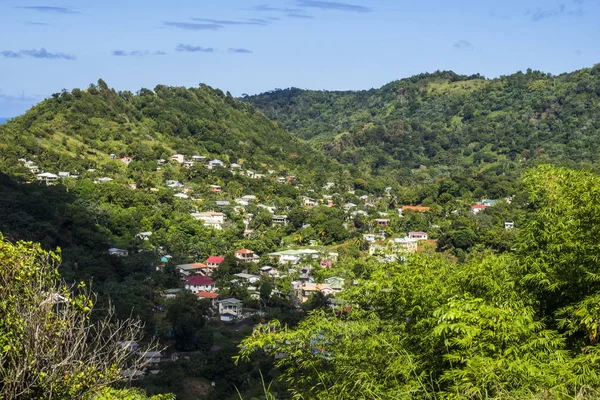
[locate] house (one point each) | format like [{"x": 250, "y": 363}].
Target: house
[
  {"x": 266, "y": 269},
  {"x": 488, "y": 202},
  {"x": 47, "y": 177},
  {"x": 349, "y": 206},
  {"x": 418, "y": 235},
  {"x": 294, "y": 256},
  {"x": 178, "y": 158},
  {"x": 326, "y": 264},
  {"x": 245, "y": 255},
  {"x": 215, "y": 188},
  {"x": 248, "y": 277},
  {"x": 161, "y": 161},
  {"x": 280, "y": 219},
  {"x": 118, "y": 252},
  {"x": 215, "y": 164},
  {"x": 33, "y": 168},
  {"x": 198, "y": 283},
  {"x": 509, "y": 225},
  {"x": 214, "y": 262},
  {"x": 248, "y": 233},
  {"x": 376, "y": 248},
  {"x": 188, "y": 164},
  {"x": 336, "y": 283},
  {"x": 373, "y": 237},
  {"x": 249, "y": 197},
  {"x": 230, "y": 309},
  {"x": 125, "y": 160},
  {"x": 143, "y": 235},
  {"x": 212, "y": 219},
  {"x": 309, "y": 202},
  {"x": 329, "y": 185},
  {"x": 152, "y": 358},
  {"x": 406, "y": 244},
  {"x": 207, "y": 296},
  {"x": 103, "y": 179},
  {"x": 281, "y": 179},
  {"x": 171, "y": 293},
  {"x": 477, "y": 208},
  {"x": 64, "y": 174},
  {"x": 235, "y": 168},
  {"x": 382, "y": 222},
  {"x": 181, "y": 196},
  {"x": 222, "y": 203},
  {"x": 270, "y": 209},
  {"x": 414, "y": 209},
  {"x": 173, "y": 184},
  {"x": 197, "y": 158},
  {"x": 326, "y": 289},
  {"x": 192, "y": 269}
]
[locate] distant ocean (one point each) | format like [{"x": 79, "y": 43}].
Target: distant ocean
[{"x": 3, "y": 120}]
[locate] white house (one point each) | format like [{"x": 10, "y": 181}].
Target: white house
[
  {"x": 406, "y": 244},
  {"x": 47, "y": 177},
  {"x": 294, "y": 256},
  {"x": 118, "y": 252},
  {"x": 213, "y": 219},
  {"x": 143, "y": 235},
  {"x": 197, "y": 158},
  {"x": 245, "y": 255},
  {"x": 280, "y": 219},
  {"x": 178, "y": 158},
  {"x": 230, "y": 309},
  {"x": 248, "y": 277},
  {"x": 181, "y": 196},
  {"x": 509, "y": 225},
  {"x": 418, "y": 235},
  {"x": 215, "y": 164},
  {"x": 198, "y": 283}
]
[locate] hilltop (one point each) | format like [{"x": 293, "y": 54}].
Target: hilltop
[
  {"x": 81, "y": 129},
  {"x": 447, "y": 119}
]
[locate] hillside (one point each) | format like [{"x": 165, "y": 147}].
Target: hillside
[
  {"x": 449, "y": 119},
  {"x": 80, "y": 129}
]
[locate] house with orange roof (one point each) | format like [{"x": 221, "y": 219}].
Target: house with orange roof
[
  {"x": 245, "y": 255},
  {"x": 414, "y": 209}
]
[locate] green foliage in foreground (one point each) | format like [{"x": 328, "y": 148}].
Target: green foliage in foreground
[
  {"x": 50, "y": 347},
  {"x": 518, "y": 325}
]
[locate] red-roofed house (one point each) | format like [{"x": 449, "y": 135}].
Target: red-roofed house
[
  {"x": 214, "y": 262},
  {"x": 477, "y": 208},
  {"x": 245, "y": 255},
  {"x": 208, "y": 296},
  {"x": 196, "y": 284}
]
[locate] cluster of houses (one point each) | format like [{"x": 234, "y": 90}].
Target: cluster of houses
[
  {"x": 299, "y": 263},
  {"x": 45, "y": 177}
]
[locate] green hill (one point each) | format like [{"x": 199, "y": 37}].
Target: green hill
[
  {"x": 79, "y": 129},
  {"x": 449, "y": 119}
]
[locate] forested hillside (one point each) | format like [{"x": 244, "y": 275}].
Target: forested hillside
[
  {"x": 446, "y": 119},
  {"x": 79, "y": 129}
]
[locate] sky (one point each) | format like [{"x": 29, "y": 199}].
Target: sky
[{"x": 249, "y": 47}]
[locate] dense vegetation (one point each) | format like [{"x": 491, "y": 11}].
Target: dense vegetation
[
  {"x": 483, "y": 311},
  {"x": 450, "y": 120},
  {"x": 521, "y": 325}
]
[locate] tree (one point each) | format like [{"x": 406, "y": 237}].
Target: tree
[
  {"x": 50, "y": 344},
  {"x": 187, "y": 316}
]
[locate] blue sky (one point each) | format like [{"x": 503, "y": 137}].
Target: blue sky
[{"x": 255, "y": 46}]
